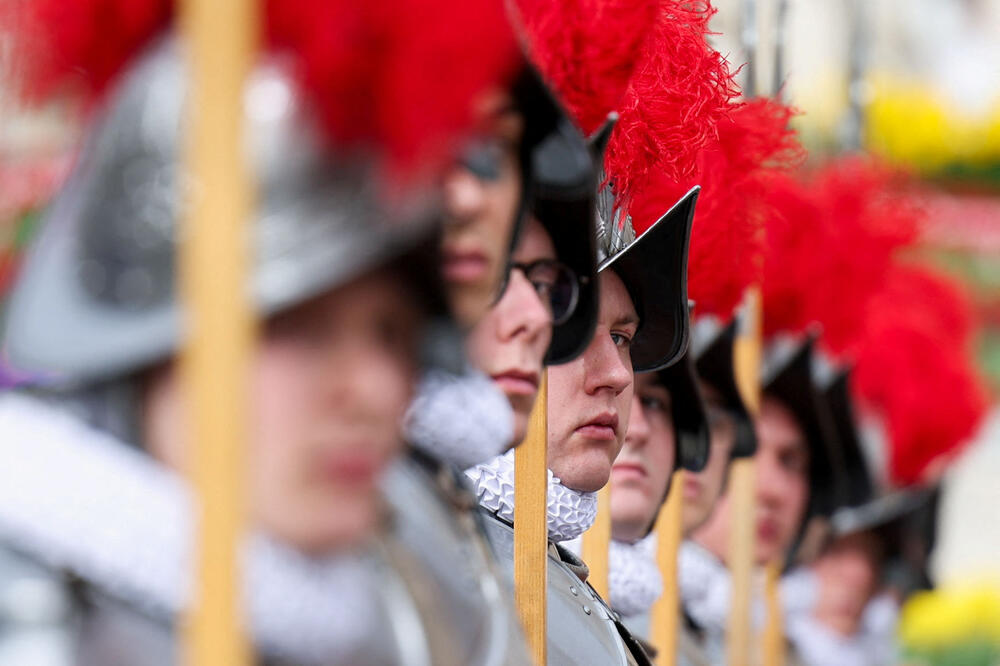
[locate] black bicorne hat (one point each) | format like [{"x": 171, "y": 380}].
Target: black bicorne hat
[
  {"x": 788, "y": 378},
  {"x": 560, "y": 173},
  {"x": 834, "y": 388},
  {"x": 864, "y": 507},
  {"x": 687, "y": 410},
  {"x": 713, "y": 349}
]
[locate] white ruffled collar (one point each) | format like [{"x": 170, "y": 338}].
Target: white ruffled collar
[
  {"x": 872, "y": 645},
  {"x": 463, "y": 419},
  {"x": 634, "y": 580},
  {"x": 76, "y": 499},
  {"x": 706, "y": 588},
  {"x": 570, "y": 512}
]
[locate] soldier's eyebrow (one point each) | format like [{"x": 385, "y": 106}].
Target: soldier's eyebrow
[{"x": 628, "y": 319}]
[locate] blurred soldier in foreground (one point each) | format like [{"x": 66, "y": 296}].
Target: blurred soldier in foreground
[
  {"x": 345, "y": 281},
  {"x": 539, "y": 306}
]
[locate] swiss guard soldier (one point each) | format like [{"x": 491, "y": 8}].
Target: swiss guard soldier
[
  {"x": 797, "y": 472},
  {"x": 519, "y": 264},
  {"x": 589, "y": 402},
  {"x": 575, "y": 474},
  {"x": 847, "y": 618},
  {"x": 699, "y": 394},
  {"x": 875, "y": 554},
  {"x": 668, "y": 430},
  {"x": 93, "y": 512},
  {"x": 695, "y": 426},
  {"x": 532, "y": 178}
]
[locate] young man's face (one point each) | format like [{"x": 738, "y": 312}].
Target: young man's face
[
  {"x": 641, "y": 473},
  {"x": 330, "y": 383},
  {"x": 782, "y": 481},
  {"x": 481, "y": 197},
  {"x": 848, "y": 575},
  {"x": 589, "y": 398},
  {"x": 702, "y": 489},
  {"x": 510, "y": 342}
]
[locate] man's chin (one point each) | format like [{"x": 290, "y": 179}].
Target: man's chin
[
  {"x": 586, "y": 481},
  {"x": 764, "y": 556}
]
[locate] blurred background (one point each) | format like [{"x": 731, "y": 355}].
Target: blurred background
[{"x": 916, "y": 83}]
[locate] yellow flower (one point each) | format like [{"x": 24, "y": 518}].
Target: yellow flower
[
  {"x": 951, "y": 616},
  {"x": 910, "y": 123}
]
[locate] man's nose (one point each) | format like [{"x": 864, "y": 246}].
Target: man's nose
[
  {"x": 522, "y": 310},
  {"x": 464, "y": 195},
  {"x": 638, "y": 425},
  {"x": 605, "y": 367}
]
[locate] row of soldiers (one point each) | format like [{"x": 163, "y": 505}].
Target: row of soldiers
[{"x": 461, "y": 206}]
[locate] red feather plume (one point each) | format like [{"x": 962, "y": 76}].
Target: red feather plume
[
  {"x": 682, "y": 89},
  {"x": 397, "y": 73},
  {"x": 78, "y": 47},
  {"x": 831, "y": 258},
  {"x": 395, "y": 77},
  {"x": 829, "y": 244},
  {"x": 914, "y": 371},
  {"x": 753, "y": 145},
  {"x": 587, "y": 50}
]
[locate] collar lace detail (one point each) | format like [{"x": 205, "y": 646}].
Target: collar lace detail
[
  {"x": 634, "y": 580},
  {"x": 570, "y": 512}
]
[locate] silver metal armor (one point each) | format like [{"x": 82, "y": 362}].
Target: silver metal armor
[
  {"x": 582, "y": 629},
  {"x": 435, "y": 520}
]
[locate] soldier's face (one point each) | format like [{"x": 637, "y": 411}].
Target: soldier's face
[
  {"x": 782, "y": 482},
  {"x": 641, "y": 473},
  {"x": 590, "y": 397},
  {"x": 702, "y": 489},
  {"x": 330, "y": 383},
  {"x": 782, "y": 472},
  {"x": 510, "y": 342},
  {"x": 481, "y": 196},
  {"x": 848, "y": 575}
]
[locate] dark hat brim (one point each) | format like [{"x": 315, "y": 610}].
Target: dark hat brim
[
  {"x": 560, "y": 179},
  {"x": 687, "y": 410},
  {"x": 860, "y": 487},
  {"x": 654, "y": 271},
  {"x": 883, "y": 512},
  {"x": 715, "y": 363},
  {"x": 790, "y": 381}
]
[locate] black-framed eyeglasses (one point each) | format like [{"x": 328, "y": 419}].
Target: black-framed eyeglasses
[
  {"x": 484, "y": 158},
  {"x": 555, "y": 283}
]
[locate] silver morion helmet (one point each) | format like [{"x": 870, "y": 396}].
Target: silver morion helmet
[
  {"x": 653, "y": 268},
  {"x": 95, "y": 298}
]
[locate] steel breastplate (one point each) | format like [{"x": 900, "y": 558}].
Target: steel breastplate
[
  {"x": 459, "y": 590},
  {"x": 581, "y": 628}
]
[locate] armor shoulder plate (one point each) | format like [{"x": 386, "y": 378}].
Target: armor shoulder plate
[
  {"x": 581, "y": 629},
  {"x": 435, "y": 523}
]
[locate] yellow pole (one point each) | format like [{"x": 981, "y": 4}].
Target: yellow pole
[
  {"x": 531, "y": 533},
  {"x": 774, "y": 633},
  {"x": 742, "y": 490},
  {"x": 220, "y": 36},
  {"x": 596, "y": 543},
  {"x": 665, "y": 616}
]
